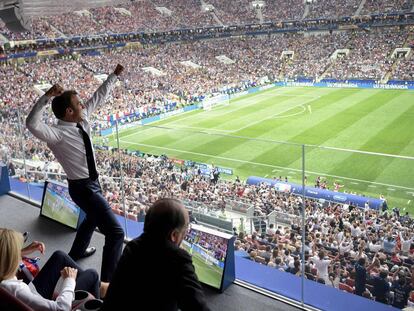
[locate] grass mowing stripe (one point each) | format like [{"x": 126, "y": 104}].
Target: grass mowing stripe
[
  {"x": 246, "y": 149},
  {"x": 230, "y": 147},
  {"x": 285, "y": 155},
  {"x": 326, "y": 105},
  {"x": 234, "y": 110},
  {"x": 372, "y": 166},
  {"x": 355, "y": 135},
  {"x": 269, "y": 167},
  {"x": 168, "y": 137},
  {"x": 252, "y": 112},
  {"x": 330, "y": 121},
  {"x": 329, "y": 127}
]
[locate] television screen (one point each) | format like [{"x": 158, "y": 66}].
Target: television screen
[
  {"x": 58, "y": 205},
  {"x": 208, "y": 248}
]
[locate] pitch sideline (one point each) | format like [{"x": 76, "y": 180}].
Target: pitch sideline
[{"x": 264, "y": 164}]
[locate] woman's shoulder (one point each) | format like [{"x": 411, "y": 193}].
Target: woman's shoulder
[
  {"x": 14, "y": 286},
  {"x": 12, "y": 282}
]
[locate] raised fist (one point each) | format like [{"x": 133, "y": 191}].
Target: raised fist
[
  {"x": 118, "y": 70},
  {"x": 55, "y": 90}
]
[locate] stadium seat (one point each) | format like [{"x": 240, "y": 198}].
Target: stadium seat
[{"x": 11, "y": 303}]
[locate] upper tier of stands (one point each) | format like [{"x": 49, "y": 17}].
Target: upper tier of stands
[{"x": 160, "y": 15}]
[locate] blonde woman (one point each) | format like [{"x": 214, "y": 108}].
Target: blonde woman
[{"x": 38, "y": 294}]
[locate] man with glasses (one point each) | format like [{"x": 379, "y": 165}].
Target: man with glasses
[{"x": 154, "y": 265}]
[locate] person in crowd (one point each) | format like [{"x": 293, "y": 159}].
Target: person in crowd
[
  {"x": 70, "y": 142},
  {"x": 361, "y": 274},
  {"x": 321, "y": 265},
  {"x": 389, "y": 245},
  {"x": 157, "y": 265},
  {"x": 401, "y": 289},
  {"x": 381, "y": 286},
  {"x": 40, "y": 292}
]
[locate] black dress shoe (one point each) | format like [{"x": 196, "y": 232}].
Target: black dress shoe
[{"x": 89, "y": 252}]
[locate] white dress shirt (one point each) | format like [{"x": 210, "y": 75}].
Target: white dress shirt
[
  {"x": 321, "y": 266},
  {"x": 64, "y": 138},
  {"x": 405, "y": 244},
  {"x": 29, "y": 295}
]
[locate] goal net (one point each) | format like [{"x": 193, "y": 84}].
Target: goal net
[{"x": 211, "y": 102}]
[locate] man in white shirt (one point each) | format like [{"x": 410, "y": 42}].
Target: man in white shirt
[
  {"x": 355, "y": 230},
  {"x": 271, "y": 230},
  {"x": 374, "y": 246},
  {"x": 70, "y": 142},
  {"x": 405, "y": 243},
  {"x": 321, "y": 265}
]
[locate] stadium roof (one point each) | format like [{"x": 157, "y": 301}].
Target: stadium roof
[{"x": 54, "y": 7}]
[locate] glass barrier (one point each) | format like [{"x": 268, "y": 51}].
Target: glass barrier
[
  {"x": 113, "y": 164},
  {"x": 360, "y": 226},
  {"x": 234, "y": 184},
  {"x": 356, "y": 205},
  {"x": 14, "y": 152}
]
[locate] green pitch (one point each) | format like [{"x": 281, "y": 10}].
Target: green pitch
[
  {"x": 379, "y": 122},
  {"x": 55, "y": 208},
  {"x": 208, "y": 274}
]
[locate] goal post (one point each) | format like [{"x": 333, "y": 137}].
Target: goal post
[{"x": 219, "y": 100}]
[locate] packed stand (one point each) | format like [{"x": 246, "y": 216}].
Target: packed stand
[
  {"x": 185, "y": 14},
  {"x": 405, "y": 69},
  {"x": 369, "y": 56},
  {"x": 386, "y": 6},
  {"x": 308, "y": 50},
  {"x": 40, "y": 29},
  {"x": 333, "y": 8},
  {"x": 234, "y": 12},
  {"x": 286, "y": 10},
  {"x": 149, "y": 16},
  {"x": 255, "y": 60},
  {"x": 361, "y": 251},
  {"x": 405, "y": 66}
]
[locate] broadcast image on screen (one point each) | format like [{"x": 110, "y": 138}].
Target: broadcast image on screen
[
  {"x": 58, "y": 205},
  {"x": 209, "y": 252}
]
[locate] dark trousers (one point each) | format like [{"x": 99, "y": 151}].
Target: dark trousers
[
  {"x": 45, "y": 281},
  {"x": 87, "y": 194}
]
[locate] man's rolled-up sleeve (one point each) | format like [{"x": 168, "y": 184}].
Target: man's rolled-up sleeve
[{"x": 39, "y": 129}]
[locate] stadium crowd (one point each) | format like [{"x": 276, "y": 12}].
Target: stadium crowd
[
  {"x": 162, "y": 15},
  {"x": 173, "y": 84},
  {"x": 381, "y": 7},
  {"x": 363, "y": 251},
  {"x": 329, "y": 9},
  {"x": 370, "y": 55},
  {"x": 168, "y": 83}
]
